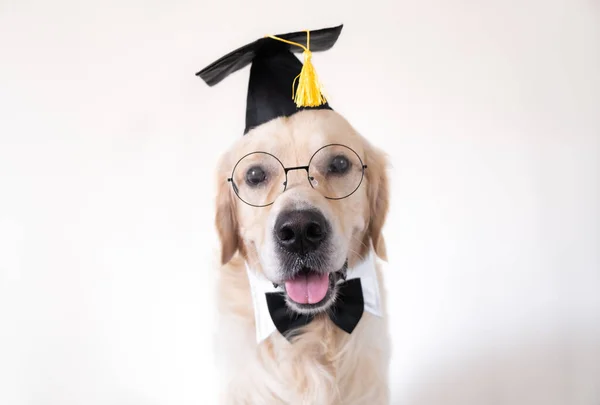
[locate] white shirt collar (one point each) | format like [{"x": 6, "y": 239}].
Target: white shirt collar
[{"x": 259, "y": 285}]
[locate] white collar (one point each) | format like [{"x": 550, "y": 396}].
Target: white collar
[{"x": 259, "y": 285}]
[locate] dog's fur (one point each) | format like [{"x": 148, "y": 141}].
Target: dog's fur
[{"x": 323, "y": 365}]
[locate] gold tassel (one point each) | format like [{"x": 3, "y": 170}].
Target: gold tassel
[{"x": 310, "y": 91}]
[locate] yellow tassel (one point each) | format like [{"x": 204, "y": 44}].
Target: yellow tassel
[{"x": 310, "y": 91}]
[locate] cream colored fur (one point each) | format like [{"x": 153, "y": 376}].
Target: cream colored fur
[{"x": 323, "y": 365}]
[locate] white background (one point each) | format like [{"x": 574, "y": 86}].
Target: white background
[{"x": 490, "y": 112}]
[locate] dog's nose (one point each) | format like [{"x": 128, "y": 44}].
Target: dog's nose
[{"x": 301, "y": 231}]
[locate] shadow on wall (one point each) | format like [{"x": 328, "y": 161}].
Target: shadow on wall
[{"x": 563, "y": 371}]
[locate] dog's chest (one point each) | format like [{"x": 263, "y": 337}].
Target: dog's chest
[{"x": 322, "y": 366}]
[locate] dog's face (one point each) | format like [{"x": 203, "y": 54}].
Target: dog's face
[{"x": 299, "y": 210}]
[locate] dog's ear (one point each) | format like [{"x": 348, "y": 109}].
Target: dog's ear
[
  {"x": 378, "y": 194},
  {"x": 225, "y": 220}
]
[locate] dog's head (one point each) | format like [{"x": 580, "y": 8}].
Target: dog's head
[{"x": 301, "y": 198}]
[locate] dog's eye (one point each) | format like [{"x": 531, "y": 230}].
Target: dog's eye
[
  {"x": 339, "y": 165},
  {"x": 255, "y": 175}
]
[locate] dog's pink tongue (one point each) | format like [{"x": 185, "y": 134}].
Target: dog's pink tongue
[{"x": 308, "y": 289}]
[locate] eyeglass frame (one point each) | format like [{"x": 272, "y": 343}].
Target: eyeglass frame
[{"x": 287, "y": 169}]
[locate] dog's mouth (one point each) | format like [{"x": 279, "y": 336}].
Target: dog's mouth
[{"x": 312, "y": 290}]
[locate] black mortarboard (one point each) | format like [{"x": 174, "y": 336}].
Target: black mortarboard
[{"x": 276, "y": 74}]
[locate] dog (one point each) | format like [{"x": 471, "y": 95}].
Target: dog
[{"x": 293, "y": 230}]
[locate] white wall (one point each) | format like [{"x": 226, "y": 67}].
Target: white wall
[{"x": 108, "y": 142}]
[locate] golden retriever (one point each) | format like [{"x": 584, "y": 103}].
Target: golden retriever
[{"x": 320, "y": 364}]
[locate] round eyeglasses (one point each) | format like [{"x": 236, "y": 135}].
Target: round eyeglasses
[{"x": 335, "y": 170}]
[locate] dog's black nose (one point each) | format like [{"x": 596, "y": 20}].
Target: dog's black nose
[{"x": 301, "y": 231}]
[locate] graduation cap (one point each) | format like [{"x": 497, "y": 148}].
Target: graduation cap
[{"x": 280, "y": 85}]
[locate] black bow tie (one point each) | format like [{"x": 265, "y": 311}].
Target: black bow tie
[{"x": 345, "y": 312}]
